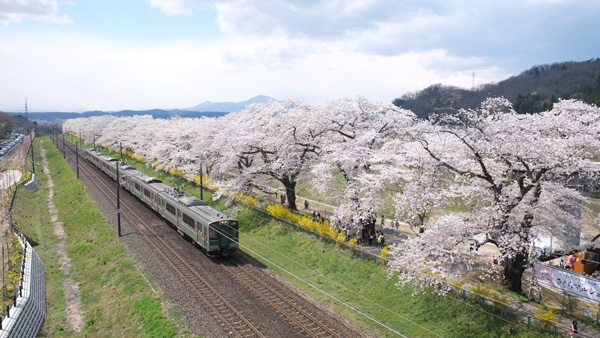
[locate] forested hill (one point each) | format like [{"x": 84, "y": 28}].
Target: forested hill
[{"x": 534, "y": 90}]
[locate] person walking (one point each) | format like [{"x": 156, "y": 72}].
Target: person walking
[
  {"x": 574, "y": 330},
  {"x": 359, "y": 236},
  {"x": 381, "y": 240},
  {"x": 305, "y": 204}
]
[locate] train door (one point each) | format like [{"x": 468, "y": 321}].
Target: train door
[{"x": 202, "y": 234}]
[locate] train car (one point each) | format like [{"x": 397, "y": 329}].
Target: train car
[{"x": 212, "y": 230}]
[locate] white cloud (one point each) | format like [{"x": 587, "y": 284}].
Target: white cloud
[
  {"x": 314, "y": 50},
  {"x": 107, "y": 75},
  {"x": 13, "y": 11},
  {"x": 171, "y": 7},
  {"x": 178, "y": 7}
]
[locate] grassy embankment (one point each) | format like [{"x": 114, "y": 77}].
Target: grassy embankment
[
  {"x": 117, "y": 299},
  {"x": 358, "y": 286}
]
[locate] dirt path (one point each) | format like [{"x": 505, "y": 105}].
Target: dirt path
[{"x": 71, "y": 289}]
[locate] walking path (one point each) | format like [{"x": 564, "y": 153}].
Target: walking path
[{"x": 73, "y": 312}]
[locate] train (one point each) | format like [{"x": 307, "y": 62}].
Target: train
[{"x": 215, "y": 232}]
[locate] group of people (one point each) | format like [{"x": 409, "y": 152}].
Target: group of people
[
  {"x": 367, "y": 236},
  {"x": 317, "y": 216}
]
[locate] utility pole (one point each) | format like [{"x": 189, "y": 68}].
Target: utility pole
[
  {"x": 32, "y": 157},
  {"x": 64, "y": 149},
  {"x": 77, "y": 157},
  {"x": 118, "y": 204},
  {"x": 201, "y": 197},
  {"x": 121, "y": 150}
]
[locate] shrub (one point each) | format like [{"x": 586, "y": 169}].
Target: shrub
[
  {"x": 250, "y": 200},
  {"x": 176, "y": 172},
  {"x": 384, "y": 251},
  {"x": 458, "y": 283},
  {"x": 547, "y": 316},
  {"x": 481, "y": 289},
  {"x": 499, "y": 298}
]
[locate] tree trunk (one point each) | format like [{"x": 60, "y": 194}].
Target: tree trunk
[
  {"x": 290, "y": 192},
  {"x": 513, "y": 271}
]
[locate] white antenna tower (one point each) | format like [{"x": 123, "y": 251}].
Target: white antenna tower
[{"x": 473, "y": 83}]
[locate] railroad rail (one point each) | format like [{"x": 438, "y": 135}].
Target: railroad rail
[
  {"x": 238, "y": 325},
  {"x": 302, "y": 319}
]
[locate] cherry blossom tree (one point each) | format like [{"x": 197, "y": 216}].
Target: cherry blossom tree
[
  {"x": 359, "y": 137},
  {"x": 510, "y": 170},
  {"x": 269, "y": 142}
]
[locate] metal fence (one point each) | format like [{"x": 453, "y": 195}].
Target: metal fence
[{"x": 28, "y": 312}]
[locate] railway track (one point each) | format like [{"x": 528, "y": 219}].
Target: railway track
[
  {"x": 237, "y": 324},
  {"x": 307, "y": 325},
  {"x": 288, "y": 309}
]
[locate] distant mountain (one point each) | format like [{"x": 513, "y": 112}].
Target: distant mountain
[
  {"x": 156, "y": 113},
  {"x": 229, "y": 107},
  {"x": 208, "y": 109},
  {"x": 534, "y": 90}
]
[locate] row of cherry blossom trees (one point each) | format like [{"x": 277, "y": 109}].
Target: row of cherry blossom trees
[{"x": 508, "y": 171}]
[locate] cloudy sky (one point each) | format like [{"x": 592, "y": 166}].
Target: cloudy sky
[{"x": 78, "y": 55}]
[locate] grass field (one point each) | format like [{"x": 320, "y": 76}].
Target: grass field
[{"x": 117, "y": 299}]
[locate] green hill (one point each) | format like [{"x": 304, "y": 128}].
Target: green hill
[{"x": 533, "y": 90}]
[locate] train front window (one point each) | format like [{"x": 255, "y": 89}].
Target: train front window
[{"x": 233, "y": 228}]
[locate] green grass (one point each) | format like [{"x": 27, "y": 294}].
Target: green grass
[
  {"x": 117, "y": 301},
  {"x": 364, "y": 287}
]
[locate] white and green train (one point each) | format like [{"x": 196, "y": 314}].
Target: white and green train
[{"x": 213, "y": 231}]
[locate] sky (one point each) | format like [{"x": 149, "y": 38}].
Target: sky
[{"x": 81, "y": 55}]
